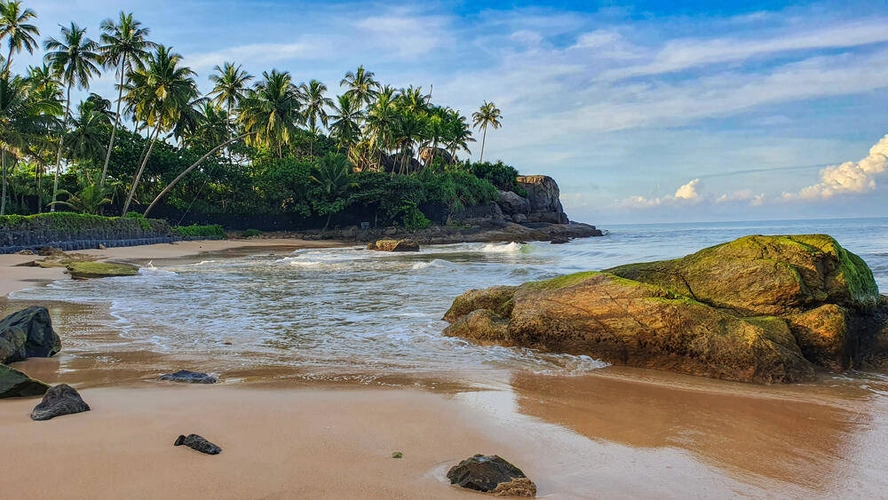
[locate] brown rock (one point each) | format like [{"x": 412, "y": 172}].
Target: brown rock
[{"x": 394, "y": 246}]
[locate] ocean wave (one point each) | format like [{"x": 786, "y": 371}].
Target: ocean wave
[
  {"x": 433, "y": 264},
  {"x": 512, "y": 247}
]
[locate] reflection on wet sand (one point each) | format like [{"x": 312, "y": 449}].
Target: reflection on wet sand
[{"x": 756, "y": 438}]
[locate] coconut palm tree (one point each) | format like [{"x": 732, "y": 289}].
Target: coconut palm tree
[
  {"x": 158, "y": 94},
  {"x": 361, "y": 85},
  {"x": 43, "y": 85},
  {"x": 75, "y": 59},
  {"x": 22, "y": 115},
  {"x": 457, "y": 133},
  {"x": 230, "y": 88},
  {"x": 487, "y": 115},
  {"x": 316, "y": 104},
  {"x": 87, "y": 138},
  {"x": 407, "y": 129},
  {"x": 379, "y": 121},
  {"x": 346, "y": 117},
  {"x": 125, "y": 47},
  {"x": 271, "y": 111},
  {"x": 332, "y": 174},
  {"x": 16, "y": 30}
]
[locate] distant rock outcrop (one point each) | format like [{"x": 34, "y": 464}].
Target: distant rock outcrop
[
  {"x": 759, "y": 309},
  {"x": 545, "y": 199}
]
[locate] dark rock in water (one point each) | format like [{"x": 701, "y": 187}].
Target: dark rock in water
[
  {"x": 59, "y": 400},
  {"x": 198, "y": 443},
  {"x": 559, "y": 240},
  {"x": 394, "y": 246},
  {"x": 28, "y": 334},
  {"x": 189, "y": 377},
  {"x": 491, "y": 474},
  {"x": 15, "y": 384}
]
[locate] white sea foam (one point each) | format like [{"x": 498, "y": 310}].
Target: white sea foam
[
  {"x": 512, "y": 247},
  {"x": 433, "y": 264}
]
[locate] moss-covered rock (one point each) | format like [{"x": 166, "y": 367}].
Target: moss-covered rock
[
  {"x": 759, "y": 309},
  {"x": 85, "y": 270},
  {"x": 405, "y": 245},
  {"x": 15, "y": 384}
]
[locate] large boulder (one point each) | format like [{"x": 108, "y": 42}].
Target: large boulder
[
  {"x": 544, "y": 198},
  {"x": 759, "y": 309},
  {"x": 28, "y": 334},
  {"x": 513, "y": 204},
  {"x": 15, "y": 384},
  {"x": 87, "y": 270}
]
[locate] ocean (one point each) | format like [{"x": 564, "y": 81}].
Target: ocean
[{"x": 352, "y": 312}]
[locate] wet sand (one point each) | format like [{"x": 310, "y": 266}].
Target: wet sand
[{"x": 615, "y": 433}]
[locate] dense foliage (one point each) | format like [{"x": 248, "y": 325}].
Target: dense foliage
[{"x": 252, "y": 147}]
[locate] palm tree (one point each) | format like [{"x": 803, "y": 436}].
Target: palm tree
[
  {"x": 379, "y": 120},
  {"x": 316, "y": 105},
  {"x": 271, "y": 111},
  {"x": 361, "y": 85},
  {"x": 22, "y": 115},
  {"x": 43, "y": 85},
  {"x": 125, "y": 47},
  {"x": 408, "y": 128},
  {"x": 157, "y": 94},
  {"x": 74, "y": 59},
  {"x": 230, "y": 88},
  {"x": 457, "y": 133},
  {"x": 87, "y": 139},
  {"x": 346, "y": 117},
  {"x": 487, "y": 115},
  {"x": 332, "y": 174},
  {"x": 15, "y": 29}
]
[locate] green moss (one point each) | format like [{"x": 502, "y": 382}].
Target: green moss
[
  {"x": 83, "y": 270},
  {"x": 562, "y": 281}
]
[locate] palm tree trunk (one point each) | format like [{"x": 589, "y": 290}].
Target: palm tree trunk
[
  {"x": 189, "y": 169},
  {"x": 483, "y": 140},
  {"x": 132, "y": 192},
  {"x": 3, "y": 198},
  {"x": 9, "y": 60},
  {"x": 116, "y": 124},
  {"x": 55, "y": 184},
  {"x": 38, "y": 174}
]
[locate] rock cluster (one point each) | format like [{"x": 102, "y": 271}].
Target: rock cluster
[{"x": 759, "y": 309}]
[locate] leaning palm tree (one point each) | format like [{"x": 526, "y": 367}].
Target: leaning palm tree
[
  {"x": 157, "y": 95},
  {"x": 361, "y": 85},
  {"x": 230, "y": 87},
  {"x": 16, "y": 30},
  {"x": 271, "y": 111},
  {"x": 487, "y": 115},
  {"x": 74, "y": 58},
  {"x": 125, "y": 47}
]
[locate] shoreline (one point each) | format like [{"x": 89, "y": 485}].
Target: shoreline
[{"x": 586, "y": 436}]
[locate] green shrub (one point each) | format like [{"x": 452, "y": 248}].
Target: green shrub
[
  {"x": 249, "y": 233},
  {"x": 209, "y": 232}
]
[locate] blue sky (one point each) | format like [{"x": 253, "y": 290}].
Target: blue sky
[{"x": 643, "y": 111}]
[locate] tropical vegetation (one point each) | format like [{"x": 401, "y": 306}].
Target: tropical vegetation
[{"x": 253, "y": 148}]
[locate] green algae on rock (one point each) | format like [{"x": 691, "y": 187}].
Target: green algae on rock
[
  {"x": 760, "y": 309},
  {"x": 85, "y": 270}
]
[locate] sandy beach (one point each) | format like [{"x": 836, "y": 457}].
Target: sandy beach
[{"x": 615, "y": 433}]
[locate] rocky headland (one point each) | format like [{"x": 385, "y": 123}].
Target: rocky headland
[{"x": 759, "y": 309}]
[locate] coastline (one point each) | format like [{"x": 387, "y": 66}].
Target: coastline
[{"x": 576, "y": 437}]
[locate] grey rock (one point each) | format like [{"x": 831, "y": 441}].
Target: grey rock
[
  {"x": 512, "y": 203},
  {"x": 59, "y": 400},
  {"x": 189, "y": 377},
  {"x": 198, "y": 443},
  {"x": 28, "y": 334}
]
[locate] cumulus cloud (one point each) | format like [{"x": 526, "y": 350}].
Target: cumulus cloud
[
  {"x": 684, "y": 194},
  {"x": 849, "y": 177}
]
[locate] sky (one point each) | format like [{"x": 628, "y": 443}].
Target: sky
[{"x": 648, "y": 111}]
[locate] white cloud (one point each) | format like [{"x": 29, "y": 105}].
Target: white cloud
[
  {"x": 688, "y": 191},
  {"x": 685, "y": 194},
  {"x": 848, "y": 178}
]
